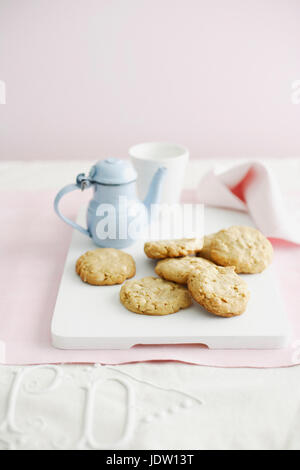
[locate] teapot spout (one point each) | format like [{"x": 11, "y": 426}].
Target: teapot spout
[{"x": 154, "y": 192}]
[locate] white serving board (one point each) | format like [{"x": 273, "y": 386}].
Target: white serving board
[{"x": 92, "y": 317}]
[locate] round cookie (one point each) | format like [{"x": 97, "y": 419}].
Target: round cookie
[
  {"x": 161, "y": 249},
  {"x": 245, "y": 248},
  {"x": 105, "y": 267},
  {"x": 219, "y": 290},
  {"x": 179, "y": 269},
  {"x": 154, "y": 296}
]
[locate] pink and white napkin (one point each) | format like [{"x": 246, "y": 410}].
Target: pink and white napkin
[{"x": 251, "y": 187}]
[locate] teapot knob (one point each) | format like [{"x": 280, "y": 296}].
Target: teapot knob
[{"x": 82, "y": 181}]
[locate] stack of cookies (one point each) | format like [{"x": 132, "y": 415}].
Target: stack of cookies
[
  {"x": 204, "y": 270},
  {"x": 208, "y": 271}
]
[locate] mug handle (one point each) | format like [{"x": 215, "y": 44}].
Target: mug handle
[{"x": 63, "y": 192}]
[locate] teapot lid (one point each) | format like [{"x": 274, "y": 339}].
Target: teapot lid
[{"x": 113, "y": 171}]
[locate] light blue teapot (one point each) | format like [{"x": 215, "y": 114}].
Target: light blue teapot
[{"x": 115, "y": 216}]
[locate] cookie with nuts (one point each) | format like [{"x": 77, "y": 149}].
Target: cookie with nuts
[
  {"x": 154, "y": 296},
  {"x": 161, "y": 249},
  {"x": 105, "y": 267},
  {"x": 179, "y": 269},
  {"x": 244, "y": 248},
  {"x": 219, "y": 290}
]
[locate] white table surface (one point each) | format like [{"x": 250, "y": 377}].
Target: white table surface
[{"x": 174, "y": 406}]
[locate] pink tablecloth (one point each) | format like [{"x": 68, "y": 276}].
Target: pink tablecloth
[{"x": 33, "y": 247}]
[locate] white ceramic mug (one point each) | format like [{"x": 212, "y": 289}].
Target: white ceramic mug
[{"x": 147, "y": 157}]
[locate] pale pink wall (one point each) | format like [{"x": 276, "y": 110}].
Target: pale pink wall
[{"x": 86, "y": 78}]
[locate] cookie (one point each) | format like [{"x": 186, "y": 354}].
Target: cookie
[
  {"x": 205, "y": 251},
  {"x": 154, "y": 296},
  {"x": 105, "y": 266},
  {"x": 179, "y": 269},
  {"x": 219, "y": 290},
  {"x": 245, "y": 248},
  {"x": 161, "y": 249}
]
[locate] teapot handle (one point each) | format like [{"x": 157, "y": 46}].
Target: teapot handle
[{"x": 63, "y": 192}]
